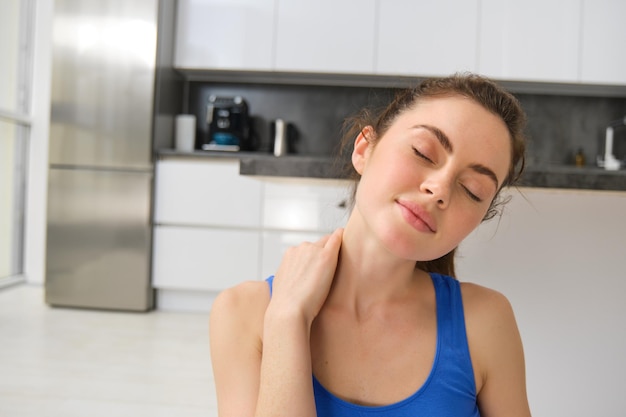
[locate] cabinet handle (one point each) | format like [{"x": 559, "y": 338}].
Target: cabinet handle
[{"x": 342, "y": 204}]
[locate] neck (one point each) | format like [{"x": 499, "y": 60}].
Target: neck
[{"x": 369, "y": 276}]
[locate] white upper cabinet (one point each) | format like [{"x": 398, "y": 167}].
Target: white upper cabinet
[
  {"x": 530, "y": 40},
  {"x": 333, "y": 36},
  {"x": 578, "y": 41},
  {"x": 604, "y": 42},
  {"x": 427, "y": 37},
  {"x": 225, "y": 34}
]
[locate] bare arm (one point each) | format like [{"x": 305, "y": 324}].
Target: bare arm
[
  {"x": 255, "y": 377},
  {"x": 235, "y": 336},
  {"x": 286, "y": 387},
  {"x": 263, "y": 368},
  {"x": 497, "y": 353}
]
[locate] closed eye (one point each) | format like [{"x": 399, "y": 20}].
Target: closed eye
[
  {"x": 471, "y": 194},
  {"x": 421, "y": 155}
]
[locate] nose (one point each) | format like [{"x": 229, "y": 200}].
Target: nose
[{"x": 437, "y": 187}]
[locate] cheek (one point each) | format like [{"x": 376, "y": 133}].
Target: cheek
[
  {"x": 466, "y": 220},
  {"x": 365, "y": 195},
  {"x": 389, "y": 171}
]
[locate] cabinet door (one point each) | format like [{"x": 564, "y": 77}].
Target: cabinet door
[
  {"x": 225, "y": 34},
  {"x": 425, "y": 37},
  {"x": 274, "y": 245},
  {"x": 305, "y": 205},
  {"x": 332, "y": 36},
  {"x": 206, "y": 192},
  {"x": 604, "y": 42},
  {"x": 533, "y": 40},
  {"x": 186, "y": 258}
]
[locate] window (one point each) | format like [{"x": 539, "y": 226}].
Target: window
[{"x": 16, "y": 18}]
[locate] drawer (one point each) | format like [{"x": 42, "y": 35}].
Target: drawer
[
  {"x": 306, "y": 205},
  {"x": 206, "y": 192},
  {"x": 203, "y": 258},
  {"x": 274, "y": 245}
]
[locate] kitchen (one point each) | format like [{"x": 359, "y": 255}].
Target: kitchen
[{"x": 571, "y": 91}]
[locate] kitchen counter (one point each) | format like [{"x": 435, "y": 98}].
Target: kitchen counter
[
  {"x": 548, "y": 176},
  {"x": 564, "y": 176}
]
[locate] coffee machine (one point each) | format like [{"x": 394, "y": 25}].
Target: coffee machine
[{"x": 229, "y": 125}]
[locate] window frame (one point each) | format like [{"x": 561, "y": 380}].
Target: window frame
[{"x": 21, "y": 119}]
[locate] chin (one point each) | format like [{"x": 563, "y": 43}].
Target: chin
[{"x": 409, "y": 249}]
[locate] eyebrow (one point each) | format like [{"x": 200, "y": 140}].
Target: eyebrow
[
  {"x": 441, "y": 137},
  {"x": 447, "y": 145}
]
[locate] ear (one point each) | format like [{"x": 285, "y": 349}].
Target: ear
[{"x": 362, "y": 147}]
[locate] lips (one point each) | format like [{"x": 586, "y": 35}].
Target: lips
[{"x": 417, "y": 216}]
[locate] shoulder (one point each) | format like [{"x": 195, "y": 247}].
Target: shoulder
[
  {"x": 492, "y": 333},
  {"x": 488, "y": 314},
  {"x": 242, "y": 301},
  {"x": 238, "y": 311},
  {"x": 243, "y": 292},
  {"x": 484, "y": 303}
]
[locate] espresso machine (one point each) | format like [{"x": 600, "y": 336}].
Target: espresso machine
[{"x": 229, "y": 125}]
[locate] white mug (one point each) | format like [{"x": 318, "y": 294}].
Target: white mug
[{"x": 185, "y": 135}]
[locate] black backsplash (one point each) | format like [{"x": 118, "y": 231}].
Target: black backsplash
[
  {"x": 557, "y": 125},
  {"x": 560, "y": 125}
]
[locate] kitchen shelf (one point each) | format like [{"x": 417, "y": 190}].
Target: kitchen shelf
[{"x": 388, "y": 81}]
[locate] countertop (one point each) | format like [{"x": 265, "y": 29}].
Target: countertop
[{"x": 548, "y": 176}]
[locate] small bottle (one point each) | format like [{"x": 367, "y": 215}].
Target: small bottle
[{"x": 580, "y": 158}]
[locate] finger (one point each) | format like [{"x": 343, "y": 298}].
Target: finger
[
  {"x": 322, "y": 241},
  {"x": 334, "y": 239}
]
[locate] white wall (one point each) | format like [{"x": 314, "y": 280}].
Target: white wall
[{"x": 559, "y": 256}]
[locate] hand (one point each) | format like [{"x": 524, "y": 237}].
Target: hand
[{"x": 305, "y": 275}]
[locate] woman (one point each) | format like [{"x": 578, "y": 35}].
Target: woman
[{"x": 368, "y": 320}]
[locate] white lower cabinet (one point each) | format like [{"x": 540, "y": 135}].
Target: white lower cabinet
[
  {"x": 197, "y": 192},
  {"x": 204, "y": 259},
  {"x": 299, "y": 210},
  {"x": 215, "y": 228},
  {"x": 305, "y": 204}
]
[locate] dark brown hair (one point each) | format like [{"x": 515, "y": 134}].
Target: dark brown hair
[{"x": 484, "y": 92}]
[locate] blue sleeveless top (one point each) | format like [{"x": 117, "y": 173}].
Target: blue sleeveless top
[{"x": 449, "y": 390}]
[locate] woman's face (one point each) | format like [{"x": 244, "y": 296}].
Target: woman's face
[{"x": 429, "y": 180}]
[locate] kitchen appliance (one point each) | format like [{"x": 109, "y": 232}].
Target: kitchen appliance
[
  {"x": 114, "y": 99},
  {"x": 280, "y": 137},
  {"x": 283, "y": 137},
  {"x": 229, "y": 124}
]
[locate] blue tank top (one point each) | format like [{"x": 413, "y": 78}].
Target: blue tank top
[{"x": 449, "y": 390}]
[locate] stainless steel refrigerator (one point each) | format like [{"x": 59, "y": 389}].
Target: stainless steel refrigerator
[{"x": 114, "y": 97}]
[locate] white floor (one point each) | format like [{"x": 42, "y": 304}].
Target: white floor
[{"x": 69, "y": 362}]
